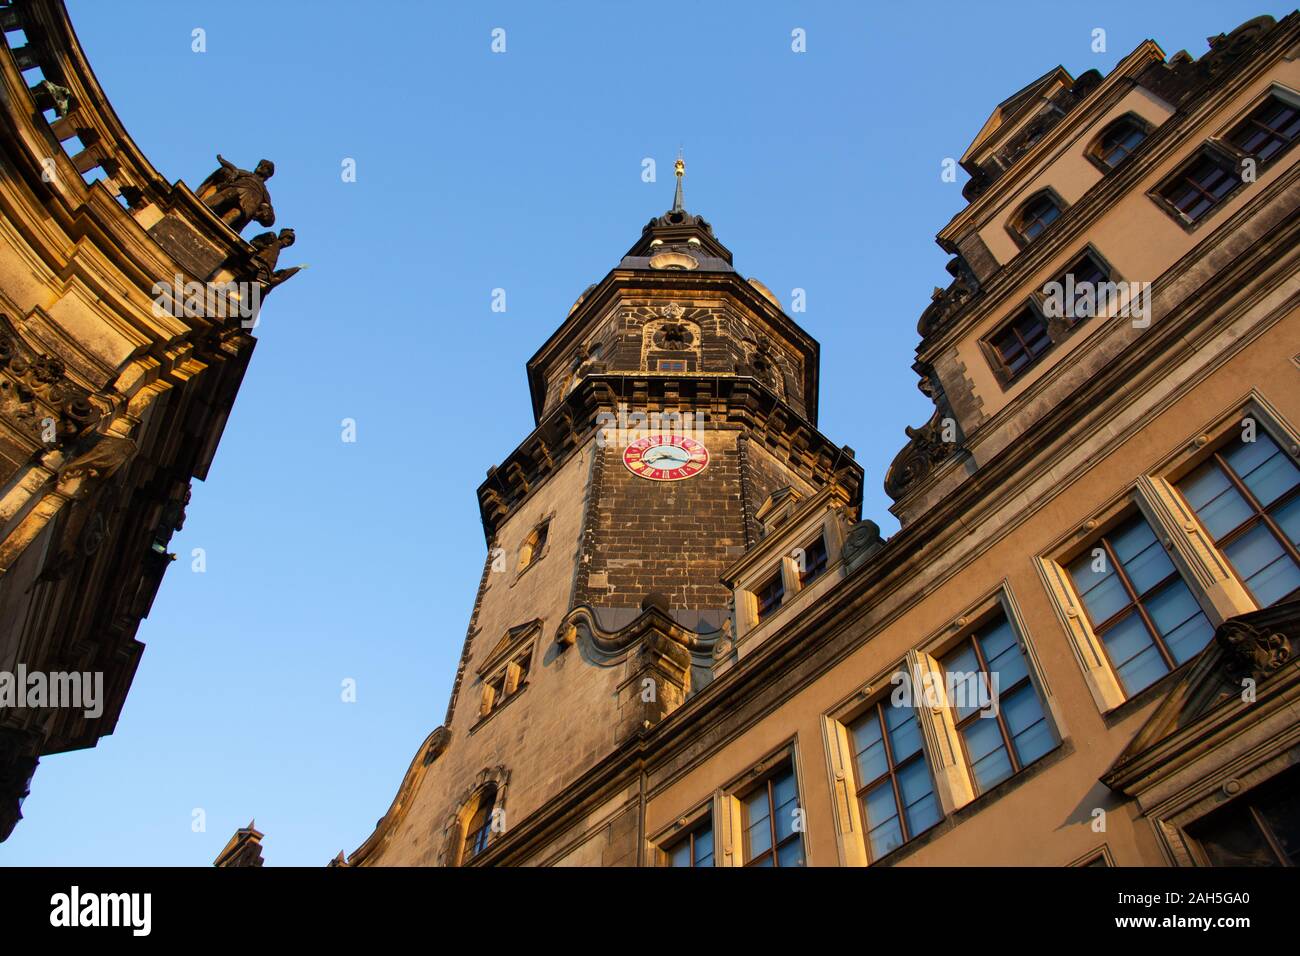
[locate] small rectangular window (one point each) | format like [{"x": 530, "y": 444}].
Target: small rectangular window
[
  {"x": 1269, "y": 131},
  {"x": 672, "y": 365},
  {"x": 1021, "y": 342},
  {"x": 814, "y": 561},
  {"x": 1083, "y": 281},
  {"x": 1199, "y": 186},
  {"x": 773, "y": 823},
  {"x": 770, "y": 595},
  {"x": 1247, "y": 497}
]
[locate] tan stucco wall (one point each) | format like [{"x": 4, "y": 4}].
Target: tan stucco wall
[
  {"x": 1046, "y": 819},
  {"x": 1137, "y": 238}
]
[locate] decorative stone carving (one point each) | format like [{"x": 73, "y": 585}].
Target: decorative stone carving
[
  {"x": 1250, "y": 651},
  {"x": 924, "y": 452},
  {"x": 51, "y": 96},
  {"x": 1226, "y": 48},
  {"x": 84, "y": 480},
  {"x": 725, "y": 642},
  {"x": 674, "y": 260},
  {"x": 35, "y": 394},
  {"x": 946, "y": 303},
  {"x": 674, "y": 337},
  {"x": 760, "y": 362},
  {"x": 239, "y": 196},
  {"x": 862, "y": 541},
  {"x": 436, "y": 744}
]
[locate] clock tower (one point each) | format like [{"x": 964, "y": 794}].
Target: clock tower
[{"x": 676, "y": 411}]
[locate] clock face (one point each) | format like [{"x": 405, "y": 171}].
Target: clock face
[{"x": 665, "y": 457}]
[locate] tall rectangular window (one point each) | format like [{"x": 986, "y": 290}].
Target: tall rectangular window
[
  {"x": 773, "y": 834},
  {"x": 1247, "y": 497},
  {"x": 1003, "y": 730},
  {"x": 1138, "y": 605},
  {"x": 478, "y": 829},
  {"x": 693, "y": 849},
  {"x": 894, "y": 783}
]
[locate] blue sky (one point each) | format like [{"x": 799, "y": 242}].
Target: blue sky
[{"x": 329, "y": 561}]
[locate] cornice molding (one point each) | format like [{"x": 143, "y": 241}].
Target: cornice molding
[{"x": 620, "y": 283}]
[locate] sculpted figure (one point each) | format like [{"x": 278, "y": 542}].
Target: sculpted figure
[
  {"x": 269, "y": 246},
  {"x": 239, "y": 196}
]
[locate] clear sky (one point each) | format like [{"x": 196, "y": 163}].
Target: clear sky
[{"x": 522, "y": 170}]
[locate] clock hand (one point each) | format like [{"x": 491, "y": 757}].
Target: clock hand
[{"x": 669, "y": 456}]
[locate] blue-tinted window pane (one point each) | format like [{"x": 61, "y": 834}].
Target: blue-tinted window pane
[
  {"x": 704, "y": 847},
  {"x": 920, "y": 806},
  {"x": 758, "y": 828},
  {"x": 1131, "y": 539},
  {"x": 904, "y": 732},
  {"x": 1180, "y": 620},
  {"x": 1133, "y": 653},
  {"x": 1267, "y": 570},
  {"x": 989, "y": 761},
  {"x": 1263, "y": 468},
  {"x": 786, "y": 797},
  {"x": 1101, "y": 591},
  {"x": 1288, "y": 519},
  {"x": 963, "y": 663},
  {"x": 1030, "y": 733},
  {"x": 869, "y": 745},
  {"x": 1214, "y": 499},
  {"x": 1144, "y": 560},
  {"x": 680, "y": 855},
  {"x": 883, "y": 828},
  {"x": 1003, "y": 655},
  {"x": 791, "y": 854}
]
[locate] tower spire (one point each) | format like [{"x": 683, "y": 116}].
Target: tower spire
[{"x": 679, "y": 168}]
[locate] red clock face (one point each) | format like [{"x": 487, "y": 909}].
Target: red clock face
[{"x": 665, "y": 457}]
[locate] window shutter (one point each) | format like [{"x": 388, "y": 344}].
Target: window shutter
[{"x": 513, "y": 673}]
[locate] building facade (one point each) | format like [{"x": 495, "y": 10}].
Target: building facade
[
  {"x": 127, "y": 304},
  {"x": 690, "y": 648}
]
